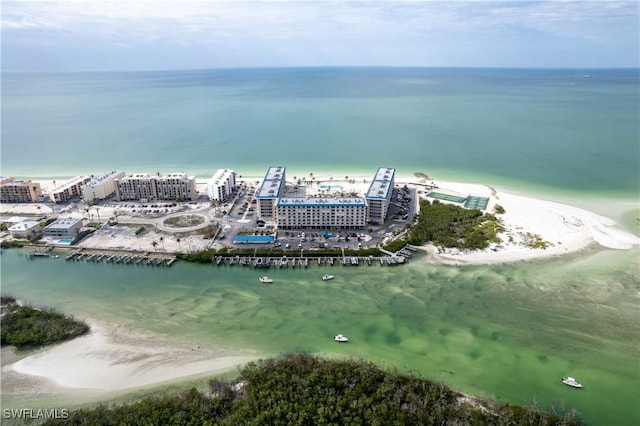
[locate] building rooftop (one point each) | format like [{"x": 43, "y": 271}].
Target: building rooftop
[
  {"x": 64, "y": 222},
  {"x": 322, "y": 201},
  {"x": 273, "y": 182},
  {"x": 382, "y": 183}
]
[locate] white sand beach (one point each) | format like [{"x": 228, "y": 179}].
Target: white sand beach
[
  {"x": 565, "y": 228},
  {"x": 118, "y": 359}
]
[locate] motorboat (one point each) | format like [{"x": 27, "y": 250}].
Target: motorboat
[
  {"x": 570, "y": 381},
  {"x": 327, "y": 277},
  {"x": 341, "y": 338},
  {"x": 265, "y": 280}
]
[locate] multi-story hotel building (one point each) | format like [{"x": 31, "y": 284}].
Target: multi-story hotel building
[
  {"x": 143, "y": 187},
  {"x": 221, "y": 185},
  {"x": 269, "y": 192},
  {"x": 321, "y": 213},
  {"x": 379, "y": 194},
  {"x": 19, "y": 191},
  {"x": 101, "y": 187},
  {"x": 324, "y": 212},
  {"x": 68, "y": 190},
  {"x": 176, "y": 186}
]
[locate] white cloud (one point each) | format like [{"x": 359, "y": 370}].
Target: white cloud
[{"x": 290, "y": 31}]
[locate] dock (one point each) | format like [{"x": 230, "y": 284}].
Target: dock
[{"x": 121, "y": 257}]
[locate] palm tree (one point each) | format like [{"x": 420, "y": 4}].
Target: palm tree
[
  {"x": 98, "y": 212},
  {"x": 87, "y": 212},
  {"x": 154, "y": 243},
  {"x": 162, "y": 242},
  {"x": 178, "y": 241}
]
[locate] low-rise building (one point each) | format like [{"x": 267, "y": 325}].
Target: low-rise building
[
  {"x": 64, "y": 228},
  {"x": 101, "y": 187},
  {"x": 24, "y": 229},
  {"x": 19, "y": 191},
  {"x": 220, "y": 186}
]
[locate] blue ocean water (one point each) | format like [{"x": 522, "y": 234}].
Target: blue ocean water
[{"x": 573, "y": 130}]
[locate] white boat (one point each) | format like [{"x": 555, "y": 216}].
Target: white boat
[
  {"x": 341, "y": 338},
  {"x": 570, "y": 381},
  {"x": 327, "y": 277},
  {"x": 265, "y": 280}
]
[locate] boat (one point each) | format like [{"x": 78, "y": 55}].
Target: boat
[
  {"x": 341, "y": 338},
  {"x": 570, "y": 381},
  {"x": 54, "y": 256},
  {"x": 265, "y": 280},
  {"x": 327, "y": 277}
]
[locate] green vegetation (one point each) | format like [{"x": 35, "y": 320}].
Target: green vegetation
[
  {"x": 534, "y": 241},
  {"x": 24, "y": 326},
  {"x": 184, "y": 221},
  {"x": 498, "y": 209},
  {"x": 14, "y": 243},
  {"x": 205, "y": 256},
  {"x": 140, "y": 230},
  {"x": 301, "y": 389},
  {"x": 447, "y": 225}
]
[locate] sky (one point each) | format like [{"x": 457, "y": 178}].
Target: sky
[{"x": 121, "y": 35}]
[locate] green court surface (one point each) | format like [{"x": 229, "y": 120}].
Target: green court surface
[
  {"x": 479, "y": 203},
  {"x": 447, "y": 197}
]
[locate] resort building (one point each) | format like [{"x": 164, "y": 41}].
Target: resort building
[
  {"x": 321, "y": 213},
  {"x": 136, "y": 187},
  {"x": 64, "y": 228},
  {"x": 220, "y": 186},
  {"x": 269, "y": 192},
  {"x": 379, "y": 194},
  {"x": 143, "y": 187},
  {"x": 69, "y": 190},
  {"x": 19, "y": 191},
  {"x": 24, "y": 229},
  {"x": 101, "y": 187},
  {"x": 177, "y": 187}
]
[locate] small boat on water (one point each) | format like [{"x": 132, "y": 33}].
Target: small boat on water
[
  {"x": 54, "y": 256},
  {"x": 327, "y": 277},
  {"x": 570, "y": 381},
  {"x": 265, "y": 280},
  {"x": 341, "y": 338}
]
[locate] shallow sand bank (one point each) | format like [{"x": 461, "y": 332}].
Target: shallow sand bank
[{"x": 117, "y": 359}]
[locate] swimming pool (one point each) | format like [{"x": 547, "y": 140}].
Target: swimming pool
[
  {"x": 331, "y": 187},
  {"x": 65, "y": 242}
]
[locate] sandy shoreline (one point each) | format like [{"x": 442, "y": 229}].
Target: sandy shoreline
[
  {"x": 111, "y": 358},
  {"x": 565, "y": 228}
]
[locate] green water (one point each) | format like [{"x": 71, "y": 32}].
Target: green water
[{"x": 508, "y": 332}]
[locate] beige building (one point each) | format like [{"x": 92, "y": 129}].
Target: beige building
[
  {"x": 143, "y": 187},
  {"x": 19, "y": 191},
  {"x": 69, "y": 190},
  {"x": 101, "y": 187}
]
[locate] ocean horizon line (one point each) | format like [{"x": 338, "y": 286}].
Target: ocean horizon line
[{"x": 317, "y": 67}]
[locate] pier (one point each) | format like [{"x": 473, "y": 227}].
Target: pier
[{"x": 121, "y": 257}]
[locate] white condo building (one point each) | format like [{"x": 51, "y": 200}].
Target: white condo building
[
  {"x": 269, "y": 192},
  {"x": 102, "y": 186},
  {"x": 221, "y": 185},
  {"x": 379, "y": 194}
]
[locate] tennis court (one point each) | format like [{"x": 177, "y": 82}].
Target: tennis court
[
  {"x": 474, "y": 202},
  {"x": 447, "y": 197}
]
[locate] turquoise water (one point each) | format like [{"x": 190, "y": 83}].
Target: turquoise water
[
  {"x": 546, "y": 129},
  {"x": 507, "y": 331}
]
